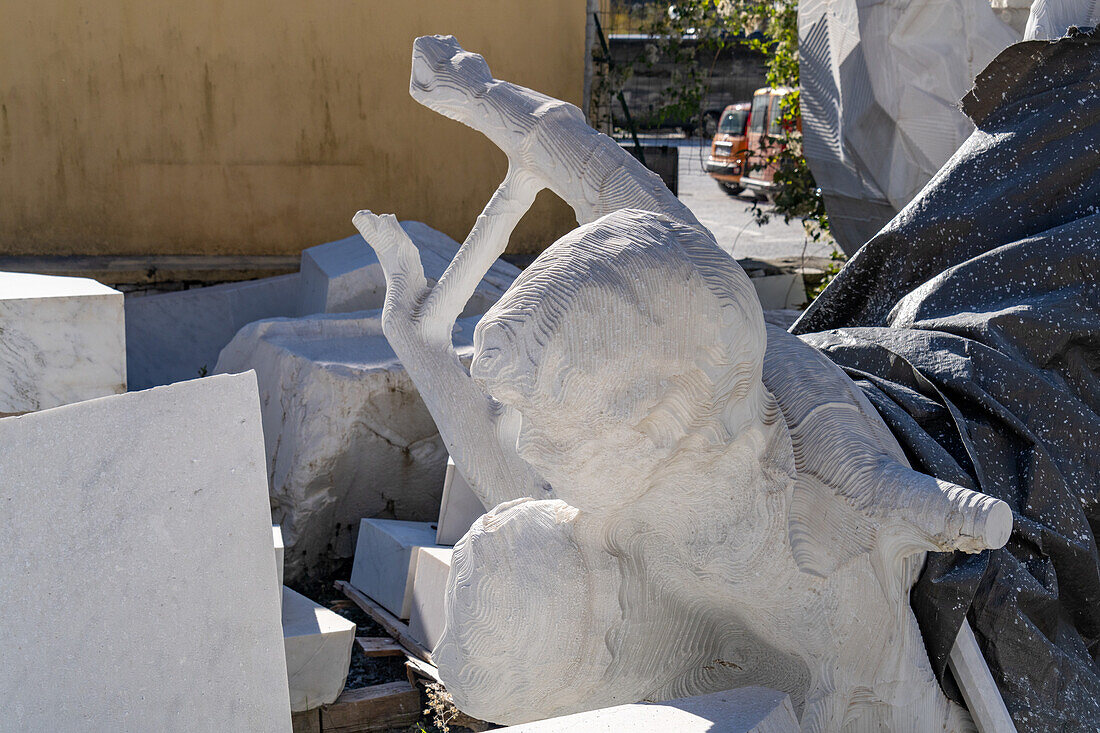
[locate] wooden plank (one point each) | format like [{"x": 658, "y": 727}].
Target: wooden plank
[
  {"x": 390, "y": 623},
  {"x": 419, "y": 672},
  {"x": 375, "y": 708},
  {"x": 379, "y": 646},
  {"x": 414, "y": 666},
  {"x": 307, "y": 721}
]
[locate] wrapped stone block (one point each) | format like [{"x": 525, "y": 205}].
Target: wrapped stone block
[
  {"x": 347, "y": 433},
  {"x": 385, "y": 561},
  {"x": 318, "y": 646},
  {"x": 156, "y": 606},
  {"x": 459, "y": 508},
  {"x": 61, "y": 341},
  {"x": 429, "y": 586},
  {"x": 744, "y": 710}
]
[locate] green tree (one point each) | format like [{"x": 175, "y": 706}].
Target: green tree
[{"x": 692, "y": 33}]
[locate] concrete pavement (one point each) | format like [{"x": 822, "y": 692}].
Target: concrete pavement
[{"x": 730, "y": 217}]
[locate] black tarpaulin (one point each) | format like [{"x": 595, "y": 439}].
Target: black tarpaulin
[{"x": 972, "y": 322}]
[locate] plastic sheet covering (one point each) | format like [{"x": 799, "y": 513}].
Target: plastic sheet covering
[
  {"x": 972, "y": 322},
  {"x": 881, "y": 83}
]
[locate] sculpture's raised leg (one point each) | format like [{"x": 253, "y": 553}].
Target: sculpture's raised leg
[{"x": 418, "y": 321}]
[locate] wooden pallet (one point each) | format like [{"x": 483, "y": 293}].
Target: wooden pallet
[
  {"x": 372, "y": 707},
  {"x": 367, "y": 709},
  {"x": 390, "y": 623}
]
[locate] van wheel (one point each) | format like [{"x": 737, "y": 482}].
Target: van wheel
[{"x": 731, "y": 188}]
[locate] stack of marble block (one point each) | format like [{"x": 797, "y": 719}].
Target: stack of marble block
[
  {"x": 403, "y": 566},
  {"x": 347, "y": 434},
  {"x": 317, "y": 644},
  {"x": 145, "y": 474}
]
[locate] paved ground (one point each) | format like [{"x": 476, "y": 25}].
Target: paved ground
[{"x": 729, "y": 217}]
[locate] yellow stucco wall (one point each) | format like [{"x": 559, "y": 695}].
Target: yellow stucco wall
[{"x": 253, "y": 127}]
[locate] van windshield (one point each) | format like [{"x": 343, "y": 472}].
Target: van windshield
[
  {"x": 758, "y": 118},
  {"x": 776, "y": 126},
  {"x": 733, "y": 122}
]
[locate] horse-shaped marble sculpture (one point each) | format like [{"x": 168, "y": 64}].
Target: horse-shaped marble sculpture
[{"x": 680, "y": 499}]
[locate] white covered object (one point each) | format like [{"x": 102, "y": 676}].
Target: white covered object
[
  {"x": 881, "y": 84},
  {"x": 344, "y": 276},
  {"x": 1050, "y": 19},
  {"x": 347, "y": 433},
  {"x": 172, "y": 337},
  {"x": 745, "y": 710},
  {"x": 429, "y": 586},
  {"x": 385, "y": 561},
  {"x": 139, "y": 582},
  {"x": 459, "y": 508},
  {"x": 318, "y": 646},
  {"x": 61, "y": 341}
]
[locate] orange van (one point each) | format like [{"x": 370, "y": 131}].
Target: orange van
[
  {"x": 727, "y": 150},
  {"x": 765, "y": 121}
]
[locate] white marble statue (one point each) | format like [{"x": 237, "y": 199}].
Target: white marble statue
[{"x": 682, "y": 501}]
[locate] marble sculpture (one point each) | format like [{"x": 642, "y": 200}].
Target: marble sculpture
[{"x": 682, "y": 500}]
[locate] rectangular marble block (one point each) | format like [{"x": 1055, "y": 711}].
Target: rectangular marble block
[
  {"x": 172, "y": 337},
  {"x": 280, "y": 551},
  {"x": 139, "y": 582},
  {"x": 426, "y": 618},
  {"x": 63, "y": 341},
  {"x": 385, "y": 560},
  {"x": 777, "y": 292},
  {"x": 459, "y": 508},
  {"x": 744, "y": 710},
  {"x": 318, "y": 647},
  {"x": 341, "y": 277},
  {"x": 345, "y": 276}
]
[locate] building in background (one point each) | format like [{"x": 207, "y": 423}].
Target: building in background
[{"x": 212, "y": 140}]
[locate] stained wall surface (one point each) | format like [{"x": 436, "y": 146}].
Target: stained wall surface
[{"x": 253, "y": 128}]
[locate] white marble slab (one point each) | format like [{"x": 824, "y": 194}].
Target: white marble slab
[
  {"x": 345, "y": 276},
  {"x": 744, "y": 710},
  {"x": 385, "y": 561},
  {"x": 426, "y": 617},
  {"x": 458, "y": 509},
  {"x": 61, "y": 341},
  {"x": 171, "y": 337},
  {"x": 341, "y": 277},
  {"x": 318, "y": 646},
  {"x": 139, "y": 582}
]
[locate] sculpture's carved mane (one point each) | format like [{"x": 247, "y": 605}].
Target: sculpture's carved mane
[{"x": 662, "y": 268}]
